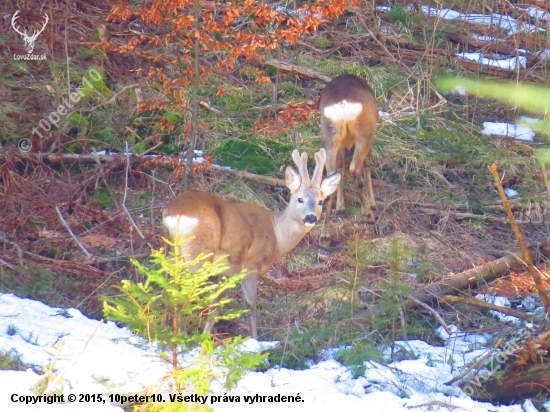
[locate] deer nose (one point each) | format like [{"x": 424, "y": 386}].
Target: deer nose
[{"x": 310, "y": 219}]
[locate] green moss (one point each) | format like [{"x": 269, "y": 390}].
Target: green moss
[
  {"x": 255, "y": 156},
  {"x": 102, "y": 197},
  {"x": 98, "y": 86},
  {"x": 78, "y": 121},
  {"x": 290, "y": 90},
  {"x": 323, "y": 43},
  {"x": 107, "y": 135}
]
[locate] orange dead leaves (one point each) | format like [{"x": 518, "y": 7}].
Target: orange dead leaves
[
  {"x": 166, "y": 125},
  {"x": 287, "y": 118},
  {"x": 229, "y": 32}
]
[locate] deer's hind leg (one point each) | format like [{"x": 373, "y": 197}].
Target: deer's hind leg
[{"x": 363, "y": 186}]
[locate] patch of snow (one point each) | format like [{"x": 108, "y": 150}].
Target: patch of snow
[
  {"x": 510, "y": 192},
  {"x": 115, "y": 361},
  {"x": 383, "y": 114},
  {"x": 500, "y": 20},
  {"x": 545, "y": 54},
  {"x": 500, "y": 300},
  {"x": 481, "y": 37},
  {"x": 495, "y": 300},
  {"x": 460, "y": 341},
  {"x": 529, "y": 407},
  {"x": 531, "y": 120},
  {"x": 536, "y": 13},
  {"x": 460, "y": 90},
  {"x": 383, "y": 8},
  {"x": 252, "y": 345},
  {"x": 519, "y": 132},
  {"x": 510, "y": 63}
]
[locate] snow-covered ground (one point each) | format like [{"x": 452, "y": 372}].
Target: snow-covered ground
[
  {"x": 520, "y": 132},
  {"x": 101, "y": 358},
  {"x": 506, "y": 23}
]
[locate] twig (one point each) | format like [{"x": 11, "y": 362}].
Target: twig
[
  {"x": 98, "y": 260},
  {"x": 19, "y": 251},
  {"x": 126, "y": 192},
  {"x": 7, "y": 264},
  {"x": 114, "y": 98},
  {"x": 486, "y": 305},
  {"x": 476, "y": 364},
  {"x": 460, "y": 252},
  {"x": 437, "y": 316},
  {"x": 71, "y": 233},
  {"x": 51, "y": 386},
  {"x": 96, "y": 289},
  {"x": 159, "y": 144},
  {"x": 532, "y": 269}
]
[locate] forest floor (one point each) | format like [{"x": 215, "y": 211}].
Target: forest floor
[{"x": 436, "y": 201}]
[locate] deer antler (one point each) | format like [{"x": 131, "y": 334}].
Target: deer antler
[
  {"x": 320, "y": 160},
  {"x": 301, "y": 162},
  {"x": 35, "y": 35},
  {"x": 24, "y": 34},
  {"x": 15, "y": 16}
]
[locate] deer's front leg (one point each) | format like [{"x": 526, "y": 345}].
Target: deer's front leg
[
  {"x": 331, "y": 165},
  {"x": 250, "y": 294}
]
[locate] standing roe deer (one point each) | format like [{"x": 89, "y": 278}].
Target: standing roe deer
[
  {"x": 348, "y": 121},
  {"x": 253, "y": 237}
]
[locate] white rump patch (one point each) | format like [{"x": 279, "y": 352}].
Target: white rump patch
[
  {"x": 343, "y": 111},
  {"x": 180, "y": 225}
]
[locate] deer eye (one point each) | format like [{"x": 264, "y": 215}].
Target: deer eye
[
  {"x": 300, "y": 200},
  {"x": 320, "y": 203}
]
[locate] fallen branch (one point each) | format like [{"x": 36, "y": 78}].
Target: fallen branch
[
  {"x": 483, "y": 273},
  {"x": 486, "y": 305},
  {"x": 532, "y": 269},
  {"x": 71, "y": 233},
  {"x": 167, "y": 162},
  {"x": 476, "y": 364},
  {"x": 210, "y": 108},
  {"x": 436, "y": 315},
  {"x": 301, "y": 71},
  {"x": 488, "y": 218}
]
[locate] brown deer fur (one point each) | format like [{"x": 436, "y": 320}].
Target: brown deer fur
[
  {"x": 348, "y": 123},
  {"x": 253, "y": 237}
]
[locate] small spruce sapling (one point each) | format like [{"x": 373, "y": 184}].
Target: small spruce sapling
[{"x": 169, "y": 308}]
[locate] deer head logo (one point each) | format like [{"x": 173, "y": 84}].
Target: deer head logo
[{"x": 29, "y": 40}]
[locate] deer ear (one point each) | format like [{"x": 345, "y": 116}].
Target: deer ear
[
  {"x": 292, "y": 179},
  {"x": 330, "y": 184}
]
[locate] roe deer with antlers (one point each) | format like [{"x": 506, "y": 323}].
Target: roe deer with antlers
[
  {"x": 348, "y": 122},
  {"x": 253, "y": 237}
]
